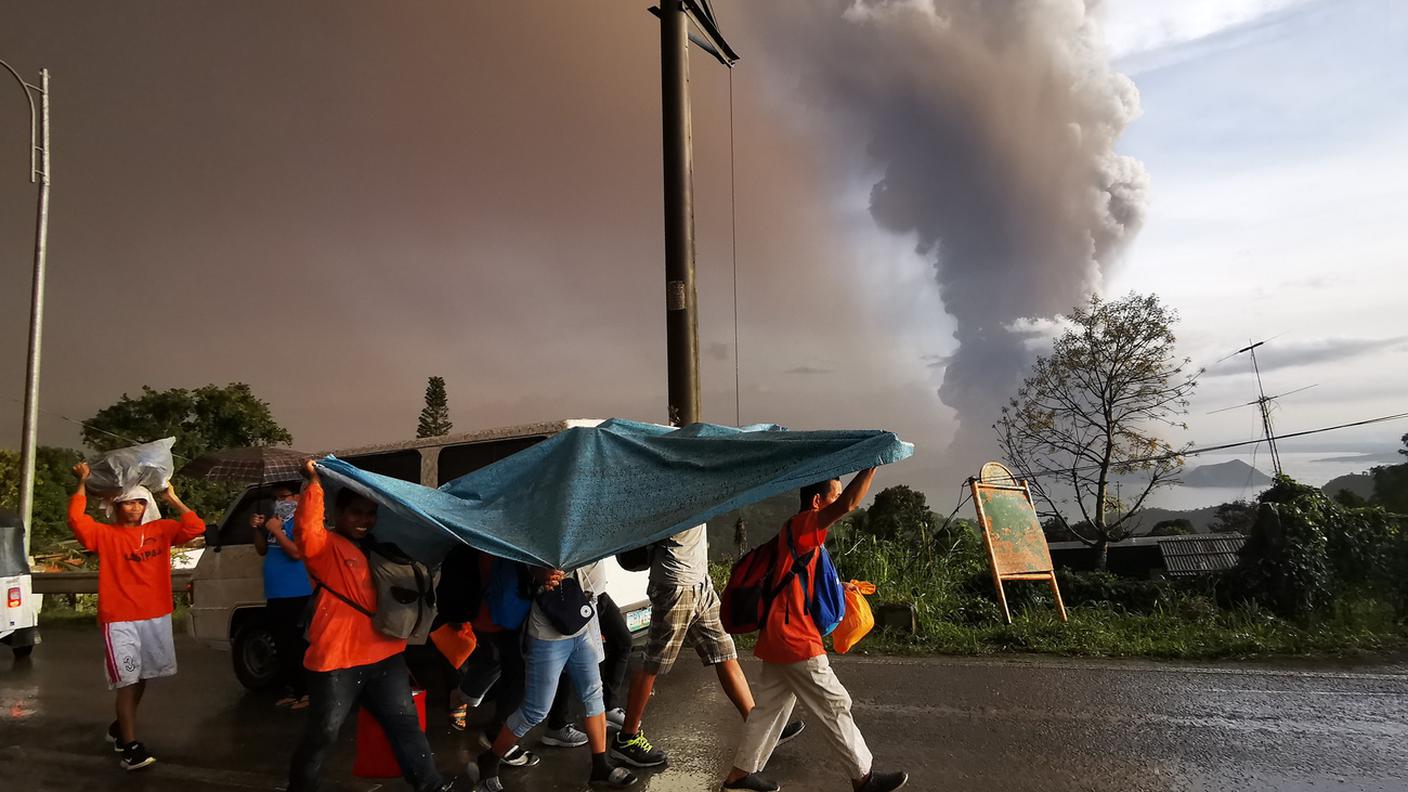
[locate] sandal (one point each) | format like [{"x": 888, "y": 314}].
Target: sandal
[{"x": 459, "y": 717}]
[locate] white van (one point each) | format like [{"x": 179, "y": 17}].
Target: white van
[
  {"x": 19, "y": 605},
  {"x": 227, "y": 587}
]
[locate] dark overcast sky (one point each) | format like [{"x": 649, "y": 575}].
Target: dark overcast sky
[{"x": 333, "y": 201}]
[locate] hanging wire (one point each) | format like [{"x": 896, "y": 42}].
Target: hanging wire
[
  {"x": 733, "y": 219},
  {"x": 86, "y": 425}
]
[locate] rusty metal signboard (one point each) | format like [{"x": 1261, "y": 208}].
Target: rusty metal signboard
[{"x": 1012, "y": 533}]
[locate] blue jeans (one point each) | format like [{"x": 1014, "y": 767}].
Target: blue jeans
[
  {"x": 545, "y": 662},
  {"x": 384, "y": 688}
]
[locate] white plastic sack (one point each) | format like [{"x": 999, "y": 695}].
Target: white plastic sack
[{"x": 147, "y": 465}]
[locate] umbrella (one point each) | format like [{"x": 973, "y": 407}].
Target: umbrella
[{"x": 254, "y": 466}]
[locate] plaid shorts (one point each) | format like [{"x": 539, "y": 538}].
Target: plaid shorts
[{"x": 685, "y": 612}]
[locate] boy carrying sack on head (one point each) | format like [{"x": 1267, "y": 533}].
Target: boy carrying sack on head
[
  {"x": 134, "y": 596},
  {"x": 795, "y": 666}
]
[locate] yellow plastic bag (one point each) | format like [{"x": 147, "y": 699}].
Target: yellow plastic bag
[{"x": 858, "y": 620}]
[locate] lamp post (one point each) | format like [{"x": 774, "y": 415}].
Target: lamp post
[{"x": 39, "y": 150}]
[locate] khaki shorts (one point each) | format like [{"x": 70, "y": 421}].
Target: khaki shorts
[{"x": 678, "y": 613}]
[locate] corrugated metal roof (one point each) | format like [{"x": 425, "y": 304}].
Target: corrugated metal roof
[{"x": 1200, "y": 554}]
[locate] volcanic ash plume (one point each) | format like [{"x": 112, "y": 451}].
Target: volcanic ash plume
[{"x": 992, "y": 124}]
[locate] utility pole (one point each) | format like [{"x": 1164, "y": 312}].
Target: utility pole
[
  {"x": 681, "y": 299},
  {"x": 39, "y": 151}
]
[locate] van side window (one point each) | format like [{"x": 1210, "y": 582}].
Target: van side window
[
  {"x": 404, "y": 465},
  {"x": 236, "y": 530},
  {"x": 458, "y": 460}
]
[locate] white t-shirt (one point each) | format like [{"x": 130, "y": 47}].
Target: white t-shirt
[{"x": 683, "y": 559}]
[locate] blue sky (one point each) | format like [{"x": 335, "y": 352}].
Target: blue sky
[{"x": 1276, "y": 148}]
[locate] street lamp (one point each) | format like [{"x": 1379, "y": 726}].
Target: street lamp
[{"x": 38, "y": 174}]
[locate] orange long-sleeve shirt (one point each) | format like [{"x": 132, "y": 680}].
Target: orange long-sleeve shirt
[
  {"x": 339, "y": 635},
  {"x": 134, "y": 563}
]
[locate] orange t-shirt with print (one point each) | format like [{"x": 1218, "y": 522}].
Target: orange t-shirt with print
[
  {"x": 789, "y": 635},
  {"x": 134, "y": 562},
  {"x": 339, "y": 636}
]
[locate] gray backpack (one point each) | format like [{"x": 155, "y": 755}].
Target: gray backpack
[{"x": 405, "y": 594}]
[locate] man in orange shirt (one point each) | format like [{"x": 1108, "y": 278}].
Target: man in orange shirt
[
  {"x": 134, "y": 596},
  {"x": 795, "y": 665},
  {"x": 349, "y": 662}
]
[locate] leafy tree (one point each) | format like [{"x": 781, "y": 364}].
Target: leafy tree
[
  {"x": 1092, "y": 410},
  {"x": 203, "y": 419},
  {"x": 1391, "y": 484},
  {"x": 52, "y": 486},
  {"x": 435, "y": 417},
  {"x": 1349, "y": 499},
  {"x": 1235, "y": 517},
  {"x": 900, "y": 513},
  {"x": 1056, "y": 530},
  {"x": 1179, "y": 526}
]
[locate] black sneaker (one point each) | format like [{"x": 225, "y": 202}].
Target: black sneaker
[
  {"x": 754, "y": 783},
  {"x": 516, "y": 756},
  {"x": 636, "y": 751},
  {"x": 135, "y": 756},
  {"x": 113, "y": 738},
  {"x": 883, "y": 782},
  {"x": 618, "y": 778},
  {"x": 790, "y": 731}
]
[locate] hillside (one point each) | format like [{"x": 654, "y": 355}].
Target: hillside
[{"x": 1234, "y": 473}]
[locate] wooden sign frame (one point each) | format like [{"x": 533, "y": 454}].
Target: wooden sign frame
[{"x": 1029, "y": 559}]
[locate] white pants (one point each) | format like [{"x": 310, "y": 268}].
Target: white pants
[
  {"x": 777, "y": 691},
  {"x": 137, "y": 650}
]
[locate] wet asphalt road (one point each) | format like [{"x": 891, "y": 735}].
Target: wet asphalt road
[{"x": 954, "y": 724}]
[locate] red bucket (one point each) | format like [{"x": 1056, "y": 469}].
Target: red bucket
[{"x": 374, "y": 756}]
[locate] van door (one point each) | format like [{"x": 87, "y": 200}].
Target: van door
[{"x": 228, "y": 577}]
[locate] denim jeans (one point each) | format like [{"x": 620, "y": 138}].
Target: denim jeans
[
  {"x": 384, "y": 688},
  {"x": 616, "y": 638},
  {"x": 544, "y": 663}
]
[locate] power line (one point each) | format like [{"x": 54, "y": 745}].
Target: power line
[
  {"x": 1221, "y": 447},
  {"x": 85, "y": 425}
]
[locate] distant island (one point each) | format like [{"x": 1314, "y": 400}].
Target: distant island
[{"x": 1235, "y": 473}]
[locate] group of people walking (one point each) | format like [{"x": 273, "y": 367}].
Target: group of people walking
[{"x": 539, "y": 633}]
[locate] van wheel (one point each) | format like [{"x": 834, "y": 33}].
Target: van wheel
[
  {"x": 22, "y": 651},
  {"x": 256, "y": 660}
]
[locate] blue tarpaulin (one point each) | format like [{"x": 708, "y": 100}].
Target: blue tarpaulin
[{"x": 588, "y": 493}]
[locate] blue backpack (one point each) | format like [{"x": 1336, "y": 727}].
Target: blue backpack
[
  {"x": 826, "y": 602},
  {"x": 507, "y": 595}
]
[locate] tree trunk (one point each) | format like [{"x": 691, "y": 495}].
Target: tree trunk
[{"x": 1102, "y": 554}]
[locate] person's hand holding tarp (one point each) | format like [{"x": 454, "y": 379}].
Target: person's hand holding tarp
[{"x": 588, "y": 493}]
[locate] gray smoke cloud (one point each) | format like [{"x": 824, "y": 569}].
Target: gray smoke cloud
[{"x": 992, "y": 126}]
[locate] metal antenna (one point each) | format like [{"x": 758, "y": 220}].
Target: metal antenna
[{"x": 1263, "y": 402}]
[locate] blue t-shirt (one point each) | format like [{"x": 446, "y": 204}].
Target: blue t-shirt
[{"x": 283, "y": 576}]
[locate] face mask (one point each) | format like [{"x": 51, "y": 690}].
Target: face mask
[{"x": 284, "y": 509}]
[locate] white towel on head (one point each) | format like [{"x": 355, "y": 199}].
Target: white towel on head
[{"x": 135, "y": 493}]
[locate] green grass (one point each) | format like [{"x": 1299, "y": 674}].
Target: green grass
[{"x": 957, "y": 613}]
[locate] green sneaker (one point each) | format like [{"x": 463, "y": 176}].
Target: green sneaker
[{"x": 636, "y": 751}]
